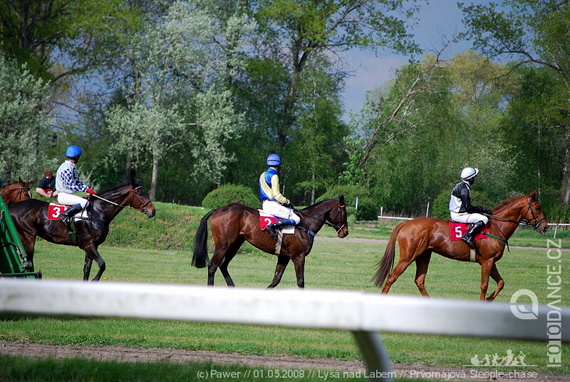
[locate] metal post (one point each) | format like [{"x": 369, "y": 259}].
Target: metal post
[{"x": 378, "y": 364}]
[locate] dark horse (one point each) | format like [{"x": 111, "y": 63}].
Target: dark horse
[
  {"x": 235, "y": 223},
  {"x": 31, "y": 220},
  {"x": 16, "y": 192},
  {"x": 418, "y": 238}
]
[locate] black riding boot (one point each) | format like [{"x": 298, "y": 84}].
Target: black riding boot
[
  {"x": 280, "y": 223},
  {"x": 469, "y": 236},
  {"x": 68, "y": 214}
]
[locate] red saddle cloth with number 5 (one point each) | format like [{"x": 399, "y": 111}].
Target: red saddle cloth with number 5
[{"x": 457, "y": 230}]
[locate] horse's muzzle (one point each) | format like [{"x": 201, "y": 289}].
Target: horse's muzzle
[
  {"x": 343, "y": 231},
  {"x": 149, "y": 210}
]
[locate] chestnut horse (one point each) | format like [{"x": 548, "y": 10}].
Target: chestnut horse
[
  {"x": 418, "y": 238},
  {"x": 31, "y": 220},
  {"x": 235, "y": 223},
  {"x": 16, "y": 192}
]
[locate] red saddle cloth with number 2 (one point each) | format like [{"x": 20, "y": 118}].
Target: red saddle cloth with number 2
[
  {"x": 457, "y": 230},
  {"x": 265, "y": 220}
]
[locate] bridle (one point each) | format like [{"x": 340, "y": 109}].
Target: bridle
[
  {"x": 21, "y": 192},
  {"x": 339, "y": 227},
  {"x": 141, "y": 208},
  {"x": 536, "y": 221}
]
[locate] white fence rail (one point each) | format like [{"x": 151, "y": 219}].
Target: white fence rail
[{"x": 363, "y": 314}]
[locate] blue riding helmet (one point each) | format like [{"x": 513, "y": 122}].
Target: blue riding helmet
[
  {"x": 273, "y": 160},
  {"x": 73, "y": 151}
]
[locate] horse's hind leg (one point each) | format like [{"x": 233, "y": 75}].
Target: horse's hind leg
[
  {"x": 282, "y": 262},
  {"x": 422, "y": 264},
  {"x": 29, "y": 243},
  {"x": 396, "y": 272},
  {"x": 230, "y": 254}
]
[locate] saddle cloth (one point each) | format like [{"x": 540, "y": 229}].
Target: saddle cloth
[
  {"x": 55, "y": 209},
  {"x": 457, "y": 230},
  {"x": 265, "y": 219}
]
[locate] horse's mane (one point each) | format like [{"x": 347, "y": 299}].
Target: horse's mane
[
  {"x": 507, "y": 203},
  {"x": 316, "y": 204},
  {"x": 135, "y": 183},
  {"x": 13, "y": 183}
]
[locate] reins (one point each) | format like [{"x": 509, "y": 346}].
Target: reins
[
  {"x": 121, "y": 205},
  {"x": 338, "y": 229},
  {"x": 500, "y": 218}
]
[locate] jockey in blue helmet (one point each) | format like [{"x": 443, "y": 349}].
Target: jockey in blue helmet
[
  {"x": 461, "y": 210},
  {"x": 273, "y": 201},
  {"x": 68, "y": 182}
]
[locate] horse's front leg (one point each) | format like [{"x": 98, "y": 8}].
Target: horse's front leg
[
  {"x": 299, "y": 262},
  {"x": 282, "y": 262},
  {"x": 90, "y": 255},
  {"x": 498, "y": 279},
  {"x": 486, "y": 267},
  {"x": 87, "y": 267}
]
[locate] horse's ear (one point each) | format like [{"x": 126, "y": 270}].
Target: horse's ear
[
  {"x": 341, "y": 199},
  {"x": 533, "y": 194}
]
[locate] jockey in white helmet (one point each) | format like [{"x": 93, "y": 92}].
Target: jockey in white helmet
[{"x": 461, "y": 210}]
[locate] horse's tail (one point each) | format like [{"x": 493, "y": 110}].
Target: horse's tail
[
  {"x": 385, "y": 265},
  {"x": 200, "y": 257}
]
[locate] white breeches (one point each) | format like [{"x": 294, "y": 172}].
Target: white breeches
[
  {"x": 71, "y": 199},
  {"x": 468, "y": 218},
  {"x": 276, "y": 209}
]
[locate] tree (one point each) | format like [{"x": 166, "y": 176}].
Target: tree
[
  {"x": 434, "y": 119},
  {"x": 532, "y": 33},
  {"x": 303, "y": 29},
  {"x": 58, "y": 38},
  {"x": 181, "y": 68},
  {"x": 24, "y": 122}
]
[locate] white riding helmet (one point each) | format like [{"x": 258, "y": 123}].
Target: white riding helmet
[{"x": 469, "y": 173}]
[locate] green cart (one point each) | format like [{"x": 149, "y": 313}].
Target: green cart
[{"x": 13, "y": 261}]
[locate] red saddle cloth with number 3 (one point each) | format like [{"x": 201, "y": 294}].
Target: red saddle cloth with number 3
[
  {"x": 54, "y": 210},
  {"x": 457, "y": 230},
  {"x": 265, "y": 220}
]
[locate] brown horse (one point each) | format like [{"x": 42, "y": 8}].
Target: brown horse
[
  {"x": 233, "y": 224},
  {"x": 31, "y": 220},
  {"x": 418, "y": 238},
  {"x": 16, "y": 192}
]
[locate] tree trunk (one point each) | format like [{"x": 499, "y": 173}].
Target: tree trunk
[
  {"x": 565, "y": 192},
  {"x": 154, "y": 179}
]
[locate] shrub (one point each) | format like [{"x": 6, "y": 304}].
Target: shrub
[{"x": 231, "y": 193}]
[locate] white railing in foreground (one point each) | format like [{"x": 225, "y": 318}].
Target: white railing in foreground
[{"x": 363, "y": 314}]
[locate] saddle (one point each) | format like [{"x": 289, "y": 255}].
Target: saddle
[
  {"x": 56, "y": 209},
  {"x": 457, "y": 230}
]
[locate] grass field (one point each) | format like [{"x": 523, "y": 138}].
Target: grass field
[{"x": 158, "y": 251}]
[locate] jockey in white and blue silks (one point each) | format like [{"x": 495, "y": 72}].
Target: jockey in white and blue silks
[
  {"x": 68, "y": 182},
  {"x": 273, "y": 201},
  {"x": 461, "y": 210}
]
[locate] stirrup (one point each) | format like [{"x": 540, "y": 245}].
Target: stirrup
[
  {"x": 269, "y": 228},
  {"x": 470, "y": 242}
]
